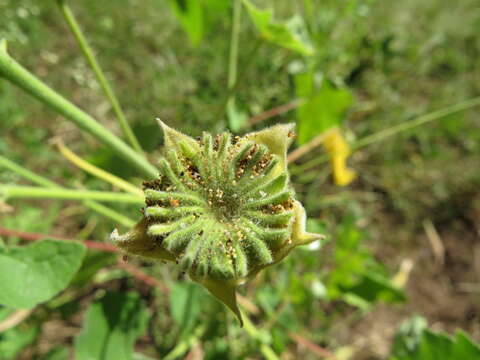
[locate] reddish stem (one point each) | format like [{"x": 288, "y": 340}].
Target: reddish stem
[
  {"x": 94, "y": 245},
  {"x": 275, "y": 111},
  {"x": 140, "y": 275},
  {"x": 314, "y": 348}
]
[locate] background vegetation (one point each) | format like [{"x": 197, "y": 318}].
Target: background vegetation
[{"x": 403, "y": 251}]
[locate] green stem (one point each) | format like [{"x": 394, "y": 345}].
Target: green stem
[
  {"x": 256, "y": 334},
  {"x": 183, "y": 346},
  {"x": 234, "y": 41},
  {"x": 39, "y": 180},
  {"x": 18, "y": 75},
  {"x": 407, "y": 125},
  {"x": 110, "y": 213},
  {"x": 233, "y": 56},
  {"x": 394, "y": 130},
  {"x": 31, "y": 192},
  {"x": 25, "y": 173},
  {"x": 96, "y": 171},
  {"x": 243, "y": 70},
  {"x": 97, "y": 70}
]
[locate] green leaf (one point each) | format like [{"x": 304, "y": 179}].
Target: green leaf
[
  {"x": 190, "y": 15},
  {"x": 93, "y": 262},
  {"x": 415, "y": 342},
  {"x": 408, "y": 335},
  {"x": 291, "y": 34},
  {"x": 374, "y": 287},
  {"x": 35, "y": 273},
  {"x": 324, "y": 108},
  {"x": 111, "y": 327},
  {"x": 13, "y": 341},
  {"x": 197, "y": 17},
  {"x": 33, "y": 219},
  {"x": 434, "y": 346},
  {"x": 464, "y": 347},
  {"x": 185, "y": 300},
  {"x": 357, "y": 278},
  {"x": 237, "y": 119}
]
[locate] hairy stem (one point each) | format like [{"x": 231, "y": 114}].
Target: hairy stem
[
  {"x": 233, "y": 58},
  {"x": 394, "y": 130},
  {"x": 257, "y": 335},
  {"x": 95, "y": 171},
  {"x": 100, "y": 76},
  {"x": 39, "y": 180},
  {"x": 234, "y": 41},
  {"x": 18, "y": 75},
  {"x": 31, "y": 192}
]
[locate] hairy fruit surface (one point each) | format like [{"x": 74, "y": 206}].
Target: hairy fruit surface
[{"x": 222, "y": 208}]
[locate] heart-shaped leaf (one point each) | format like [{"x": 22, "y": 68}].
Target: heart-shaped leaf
[
  {"x": 35, "y": 273},
  {"x": 112, "y": 325}
]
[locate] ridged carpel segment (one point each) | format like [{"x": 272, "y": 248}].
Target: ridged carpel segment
[{"x": 219, "y": 207}]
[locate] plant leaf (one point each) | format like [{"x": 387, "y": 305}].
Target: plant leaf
[
  {"x": 190, "y": 15},
  {"x": 111, "y": 327},
  {"x": 291, "y": 34},
  {"x": 324, "y": 108},
  {"x": 415, "y": 342},
  {"x": 13, "y": 341},
  {"x": 35, "y": 273},
  {"x": 185, "y": 300},
  {"x": 236, "y": 118}
]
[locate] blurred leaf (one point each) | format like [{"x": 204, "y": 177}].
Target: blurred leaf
[
  {"x": 268, "y": 298},
  {"x": 37, "y": 272},
  {"x": 214, "y": 9},
  {"x": 464, "y": 347},
  {"x": 415, "y": 342},
  {"x": 92, "y": 263},
  {"x": 280, "y": 339},
  {"x": 373, "y": 287},
  {"x": 408, "y": 335},
  {"x": 350, "y": 260},
  {"x": 357, "y": 278},
  {"x": 33, "y": 219},
  {"x": 324, "y": 108},
  {"x": 185, "y": 304},
  {"x": 13, "y": 341},
  {"x": 190, "y": 15},
  {"x": 298, "y": 292},
  {"x": 198, "y": 16},
  {"x": 111, "y": 327},
  {"x": 291, "y": 34},
  {"x": 237, "y": 119},
  {"x": 316, "y": 226}
]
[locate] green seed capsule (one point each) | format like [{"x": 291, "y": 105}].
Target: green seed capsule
[{"x": 223, "y": 208}]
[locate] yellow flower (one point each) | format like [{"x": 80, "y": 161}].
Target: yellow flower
[{"x": 339, "y": 150}]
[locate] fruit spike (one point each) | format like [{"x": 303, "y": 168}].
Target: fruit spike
[{"x": 222, "y": 208}]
